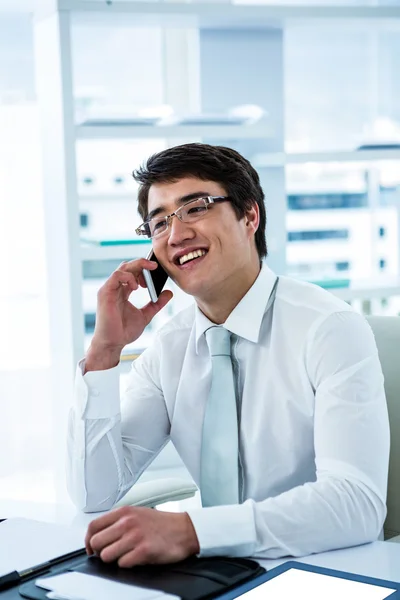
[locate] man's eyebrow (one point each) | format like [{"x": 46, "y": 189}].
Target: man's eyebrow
[{"x": 178, "y": 202}]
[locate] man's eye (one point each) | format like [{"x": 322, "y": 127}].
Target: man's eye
[
  {"x": 196, "y": 210},
  {"x": 158, "y": 225}
]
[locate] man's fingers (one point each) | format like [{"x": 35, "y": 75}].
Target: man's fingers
[
  {"x": 136, "y": 266},
  {"x": 112, "y": 535},
  {"x": 134, "y": 557},
  {"x": 89, "y": 549},
  {"x": 129, "y": 274},
  {"x": 152, "y": 308},
  {"x": 104, "y": 521},
  {"x": 119, "y": 548},
  {"x": 119, "y": 279},
  {"x": 142, "y": 281}
]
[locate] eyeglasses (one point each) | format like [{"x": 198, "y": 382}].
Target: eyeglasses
[{"x": 187, "y": 213}]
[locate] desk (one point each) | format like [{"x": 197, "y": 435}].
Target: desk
[
  {"x": 379, "y": 559},
  {"x": 63, "y": 514}
]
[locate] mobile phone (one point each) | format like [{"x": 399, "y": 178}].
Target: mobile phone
[{"x": 155, "y": 280}]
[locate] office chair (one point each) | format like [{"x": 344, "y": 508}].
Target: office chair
[
  {"x": 158, "y": 491},
  {"x": 387, "y": 336}
]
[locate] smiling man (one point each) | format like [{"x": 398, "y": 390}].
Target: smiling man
[{"x": 270, "y": 388}]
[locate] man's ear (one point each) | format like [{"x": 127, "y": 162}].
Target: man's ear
[{"x": 252, "y": 218}]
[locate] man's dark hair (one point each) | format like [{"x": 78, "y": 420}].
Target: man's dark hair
[{"x": 209, "y": 163}]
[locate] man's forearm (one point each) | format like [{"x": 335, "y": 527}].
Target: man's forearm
[{"x": 314, "y": 517}]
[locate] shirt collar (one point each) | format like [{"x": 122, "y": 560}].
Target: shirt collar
[{"x": 246, "y": 318}]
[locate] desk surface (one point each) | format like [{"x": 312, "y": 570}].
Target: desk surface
[{"x": 379, "y": 559}]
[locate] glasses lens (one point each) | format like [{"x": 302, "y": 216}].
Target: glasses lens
[
  {"x": 157, "y": 226},
  {"x": 193, "y": 210}
]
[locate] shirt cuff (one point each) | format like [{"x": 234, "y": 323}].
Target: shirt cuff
[
  {"x": 225, "y": 530},
  {"x": 97, "y": 393}
]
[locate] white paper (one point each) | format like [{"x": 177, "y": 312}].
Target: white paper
[
  {"x": 303, "y": 585},
  {"x": 80, "y": 586},
  {"x": 25, "y": 543}
]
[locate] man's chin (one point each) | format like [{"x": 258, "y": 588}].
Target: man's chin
[{"x": 191, "y": 286}]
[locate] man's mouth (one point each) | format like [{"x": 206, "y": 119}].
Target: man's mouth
[{"x": 191, "y": 256}]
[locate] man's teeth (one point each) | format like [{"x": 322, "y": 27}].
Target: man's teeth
[{"x": 191, "y": 255}]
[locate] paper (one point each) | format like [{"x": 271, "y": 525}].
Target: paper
[
  {"x": 303, "y": 585},
  {"x": 25, "y": 543},
  {"x": 80, "y": 586}
]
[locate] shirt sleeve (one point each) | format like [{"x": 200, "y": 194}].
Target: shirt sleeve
[
  {"x": 346, "y": 505},
  {"x": 111, "y": 442}
]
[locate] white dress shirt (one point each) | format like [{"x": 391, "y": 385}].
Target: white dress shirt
[{"x": 314, "y": 434}]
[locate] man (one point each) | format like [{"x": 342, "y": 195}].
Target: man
[{"x": 299, "y": 465}]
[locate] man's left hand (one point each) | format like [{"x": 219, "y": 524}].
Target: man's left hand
[{"x": 136, "y": 536}]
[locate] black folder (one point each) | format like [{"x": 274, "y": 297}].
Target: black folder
[{"x": 192, "y": 579}]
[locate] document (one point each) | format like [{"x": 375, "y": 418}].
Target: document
[
  {"x": 25, "y": 543},
  {"x": 303, "y": 585},
  {"x": 80, "y": 586}
]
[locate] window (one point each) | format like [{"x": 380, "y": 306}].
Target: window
[
  {"x": 90, "y": 322},
  {"x": 84, "y": 219},
  {"x": 99, "y": 269},
  {"x": 342, "y": 266},
  {"x": 26, "y": 427},
  {"x": 318, "y": 269},
  {"x": 330, "y": 72},
  {"x": 308, "y": 236},
  {"x": 323, "y": 201}
]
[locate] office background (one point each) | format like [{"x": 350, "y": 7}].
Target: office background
[{"x": 309, "y": 92}]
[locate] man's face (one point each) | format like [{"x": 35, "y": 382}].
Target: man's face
[{"x": 226, "y": 244}]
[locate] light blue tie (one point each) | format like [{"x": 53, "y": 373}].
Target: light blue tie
[{"x": 219, "y": 477}]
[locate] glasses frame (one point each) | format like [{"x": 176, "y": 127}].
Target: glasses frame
[{"x": 144, "y": 228}]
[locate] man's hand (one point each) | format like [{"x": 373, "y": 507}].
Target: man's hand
[
  {"x": 136, "y": 536},
  {"x": 118, "y": 321}
]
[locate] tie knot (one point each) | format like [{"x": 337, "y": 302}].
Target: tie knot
[{"x": 218, "y": 340}]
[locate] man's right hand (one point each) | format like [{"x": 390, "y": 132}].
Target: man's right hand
[{"x": 118, "y": 322}]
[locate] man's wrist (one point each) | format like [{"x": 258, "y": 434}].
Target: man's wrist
[
  {"x": 100, "y": 359},
  {"x": 193, "y": 545}
]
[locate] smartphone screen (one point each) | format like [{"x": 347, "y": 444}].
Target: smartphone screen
[{"x": 156, "y": 279}]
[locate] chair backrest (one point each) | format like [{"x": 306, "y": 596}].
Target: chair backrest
[{"x": 387, "y": 336}]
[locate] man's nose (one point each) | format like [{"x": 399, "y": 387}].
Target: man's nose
[{"x": 179, "y": 231}]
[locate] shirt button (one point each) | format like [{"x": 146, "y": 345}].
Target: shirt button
[{"x": 95, "y": 393}]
